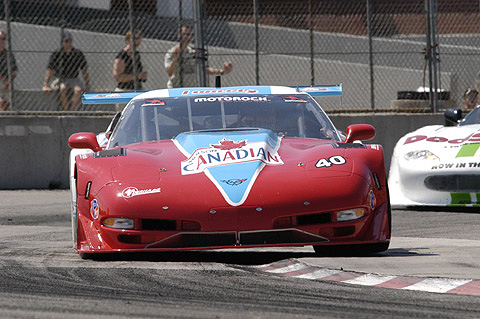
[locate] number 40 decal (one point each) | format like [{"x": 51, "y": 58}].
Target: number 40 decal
[{"x": 327, "y": 162}]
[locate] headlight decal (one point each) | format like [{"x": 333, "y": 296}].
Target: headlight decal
[{"x": 421, "y": 155}]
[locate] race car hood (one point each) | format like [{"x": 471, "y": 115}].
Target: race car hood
[
  {"x": 230, "y": 161},
  {"x": 441, "y": 143}
]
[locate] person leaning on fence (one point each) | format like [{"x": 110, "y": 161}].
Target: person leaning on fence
[
  {"x": 469, "y": 100},
  {"x": 123, "y": 68},
  {"x": 5, "y": 85},
  {"x": 64, "y": 65},
  {"x": 181, "y": 59}
]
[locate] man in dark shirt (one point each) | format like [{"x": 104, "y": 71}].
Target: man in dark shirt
[
  {"x": 4, "y": 59},
  {"x": 65, "y": 64}
]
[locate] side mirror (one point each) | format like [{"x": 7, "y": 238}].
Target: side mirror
[
  {"x": 357, "y": 132},
  {"x": 452, "y": 116},
  {"x": 84, "y": 140}
]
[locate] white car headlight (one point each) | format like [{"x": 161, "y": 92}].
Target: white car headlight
[
  {"x": 421, "y": 155},
  {"x": 120, "y": 223},
  {"x": 350, "y": 214}
]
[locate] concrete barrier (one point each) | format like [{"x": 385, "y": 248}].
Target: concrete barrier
[{"x": 34, "y": 149}]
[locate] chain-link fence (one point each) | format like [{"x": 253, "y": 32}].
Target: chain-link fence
[{"x": 377, "y": 49}]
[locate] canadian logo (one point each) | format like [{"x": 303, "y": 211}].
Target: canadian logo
[{"x": 229, "y": 152}]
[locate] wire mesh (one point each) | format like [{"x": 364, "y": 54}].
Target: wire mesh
[{"x": 375, "y": 48}]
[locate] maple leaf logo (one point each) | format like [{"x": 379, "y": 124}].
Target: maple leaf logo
[{"x": 226, "y": 145}]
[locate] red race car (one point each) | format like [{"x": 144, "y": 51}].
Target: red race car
[{"x": 233, "y": 167}]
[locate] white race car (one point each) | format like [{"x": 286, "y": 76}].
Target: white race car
[{"x": 438, "y": 165}]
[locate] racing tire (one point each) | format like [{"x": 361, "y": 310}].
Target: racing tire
[{"x": 89, "y": 256}]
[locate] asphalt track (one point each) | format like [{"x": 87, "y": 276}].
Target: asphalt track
[{"x": 432, "y": 270}]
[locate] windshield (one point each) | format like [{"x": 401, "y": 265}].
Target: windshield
[
  {"x": 472, "y": 118},
  {"x": 164, "y": 118}
]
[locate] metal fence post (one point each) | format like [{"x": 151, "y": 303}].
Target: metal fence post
[
  {"x": 255, "y": 19},
  {"x": 9, "y": 51},
  {"x": 312, "y": 54},
  {"x": 434, "y": 55},
  {"x": 370, "y": 54},
  {"x": 180, "y": 24},
  {"x": 428, "y": 54},
  {"x": 199, "y": 43},
  {"x": 136, "y": 84}
]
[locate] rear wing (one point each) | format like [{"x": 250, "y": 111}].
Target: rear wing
[
  {"x": 109, "y": 97},
  {"x": 323, "y": 90},
  {"x": 126, "y": 96}
]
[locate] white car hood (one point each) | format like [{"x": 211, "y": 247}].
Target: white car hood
[{"x": 444, "y": 142}]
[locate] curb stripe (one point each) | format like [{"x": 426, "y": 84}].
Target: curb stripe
[
  {"x": 287, "y": 269},
  {"x": 342, "y": 276},
  {"x": 300, "y": 272},
  {"x": 294, "y": 268},
  {"x": 320, "y": 273},
  {"x": 400, "y": 282},
  {"x": 441, "y": 285},
  {"x": 369, "y": 280},
  {"x": 472, "y": 288}
]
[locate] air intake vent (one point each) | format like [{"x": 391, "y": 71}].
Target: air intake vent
[
  {"x": 453, "y": 183},
  {"x": 313, "y": 219},
  {"x": 159, "y": 224}
]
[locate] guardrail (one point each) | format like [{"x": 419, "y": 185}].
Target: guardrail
[{"x": 35, "y": 151}]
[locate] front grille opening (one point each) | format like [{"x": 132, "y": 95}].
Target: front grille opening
[
  {"x": 159, "y": 224},
  {"x": 313, "y": 219},
  {"x": 289, "y": 236},
  {"x": 453, "y": 183},
  {"x": 130, "y": 239},
  {"x": 189, "y": 240},
  {"x": 207, "y": 240},
  {"x": 344, "y": 231}
]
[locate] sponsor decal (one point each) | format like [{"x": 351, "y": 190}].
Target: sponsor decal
[
  {"x": 108, "y": 95},
  {"x": 456, "y": 165},
  {"x": 313, "y": 89},
  {"x": 234, "y": 181},
  {"x": 229, "y": 152},
  {"x": 231, "y": 99},
  {"x": 153, "y": 102},
  {"x": 373, "y": 200},
  {"x": 333, "y": 160},
  {"x": 468, "y": 150},
  {"x": 437, "y": 139},
  {"x": 294, "y": 99},
  {"x": 133, "y": 191},
  {"x": 219, "y": 91},
  {"x": 94, "y": 209},
  {"x": 462, "y": 199}
]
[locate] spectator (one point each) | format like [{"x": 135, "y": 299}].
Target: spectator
[
  {"x": 181, "y": 59},
  {"x": 4, "y": 101},
  {"x": 65, "y": 64},
  {"x": 123, "y": 70},
  {"x": 470, "y": 100}
]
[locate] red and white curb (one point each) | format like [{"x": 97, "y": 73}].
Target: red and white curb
[{"x": 295, "y": 268}]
